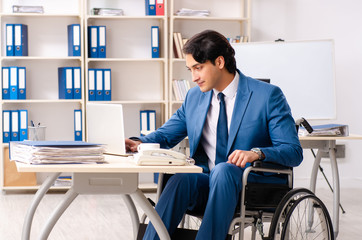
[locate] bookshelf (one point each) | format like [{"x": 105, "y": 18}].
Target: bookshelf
[
  {"x": 47, "y": 51},
  {"x": 229, "y": 17}
]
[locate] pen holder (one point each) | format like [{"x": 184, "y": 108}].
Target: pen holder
[{"x": 36, "y": 133}]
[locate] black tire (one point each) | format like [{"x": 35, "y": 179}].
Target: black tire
[
  {"x": 308, "y": 218},
  {"x": 283, "y": 207}
]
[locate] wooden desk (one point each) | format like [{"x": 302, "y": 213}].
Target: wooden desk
[
  {"x": 327, "y": 145},
  {"x": 118, "y": 176}
]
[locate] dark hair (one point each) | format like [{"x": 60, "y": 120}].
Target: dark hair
[{"x": 208, "y": 45}]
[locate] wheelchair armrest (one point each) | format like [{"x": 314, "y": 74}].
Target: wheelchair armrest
[{"x": 269, "y": 165}]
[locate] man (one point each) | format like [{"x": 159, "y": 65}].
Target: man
[{"x": 257, "y": 125}]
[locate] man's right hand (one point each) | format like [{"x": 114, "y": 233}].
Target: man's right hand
[{"x": 131, "y": 146}]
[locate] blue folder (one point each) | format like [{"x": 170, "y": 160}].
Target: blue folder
[
  {"x": 9, "y": 39},
  {"x": 14, "y": 125},
  {"x": 92, "y": 41},
  {"x": 6, "y": 126},
  {"x": 99, "y": 85},
  {"x": 102, "y": 42},
  {"x": 22, "y": 83},
  {"x": 5, "y": 75},
  {"x": 155, "y": 41},
  {"x": 20, "y": 40},
  {"x": 77, "y": 83},
  {"x": 91, "y": 84},
  {"x": 78, "y": 136},
  {"x": 65, "y": 82},
  {"x": 74, "y": 40},
  {"x": 14, "y": 83},
  {"x": 107, "y": 80},
  {"x": 23, "y": 125},
  {"x": 150, "y": 7}
]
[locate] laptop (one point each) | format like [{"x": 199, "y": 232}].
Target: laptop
[{"x": 105, "y": 125}]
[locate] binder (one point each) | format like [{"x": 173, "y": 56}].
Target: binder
[
  {"x": 150, "y": 7},
  {"x": 77, "y": 86},
  {"x": 91, "y": 84},
  {"x": 74, "y": 40},
  {"x": 155, "y": 41},
  {"x": 107, "y": 84},
  {"x": 160, "y": 9},
  {"x": 6, "y": 126},
  {"x": 65, "y": 82},
  {"x": 14, "y": 125},
  {"x": 78, "y": 125},
  {"x": 147, "y": 121},
  {"x": 23, "y": 125},
  {"x": 99, "y": 85},
  {"x": 102, "y": 41},
  {"x": 14, "y": 89},
  {"x": 92, "y": 41},
  {"x": 20, "y": 40},
  {"x": 22, "y": 82},
  {"x": 9, "y": 39},
  {"x": 5, "y": 76}
]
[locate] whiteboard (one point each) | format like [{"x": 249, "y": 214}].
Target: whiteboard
[{"x": 304, "y": 70}]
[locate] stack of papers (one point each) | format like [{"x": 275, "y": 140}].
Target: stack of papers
[
  {"x": 41, "y": 152},
  {"x": 107, "y": 11},
  {"x": 326, "y": 130},
  {"x": 191, "y": 12}
]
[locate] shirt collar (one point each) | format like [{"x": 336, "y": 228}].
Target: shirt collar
[{"x": 231, "y": 89}]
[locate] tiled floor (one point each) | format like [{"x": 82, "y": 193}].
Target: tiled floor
[{"x": 98, "y": 217}]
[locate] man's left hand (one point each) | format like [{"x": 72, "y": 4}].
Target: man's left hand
[{"x": 240, "y": 157}]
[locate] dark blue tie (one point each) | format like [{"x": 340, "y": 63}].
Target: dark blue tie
[{"x": 221, "y": 132}]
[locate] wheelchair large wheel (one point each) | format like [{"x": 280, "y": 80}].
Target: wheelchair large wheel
[
  {"x": 281, "y": 211},
  {"x": 307, "y": 218}
]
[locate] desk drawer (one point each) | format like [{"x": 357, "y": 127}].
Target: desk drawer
[{"x": 105, "y": 183}]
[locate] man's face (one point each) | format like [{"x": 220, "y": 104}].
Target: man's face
[{"x": 206, "y": 75}]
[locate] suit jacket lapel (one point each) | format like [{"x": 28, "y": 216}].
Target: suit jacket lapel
[
  {"x": 203, "y": 108},
  {"x": 241, "y": 103}
]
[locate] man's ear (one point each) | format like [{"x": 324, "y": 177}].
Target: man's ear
[{"x": 220, "y": 62}]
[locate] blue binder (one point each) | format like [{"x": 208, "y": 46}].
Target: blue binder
[
  {"x": 22, "y": 82},
  {"x": 5, "y": 76},
  {"x": 92, "y": 41},
  {"x": 91, "y": 84},
  {"x": 155, "y": 41},
  {"x": 14, "y": 125},
  {"x": 65, "y": 83},
  {"x": 74, "y": 40},
  {"x": 102, "y": 41},
  {"x": 78, "y": 125},
  {"x": 107, "y": 85},
  {"x": 147, "y": 121},
  {"x": 99, "y": 85},
  {"x": 6, "y": 126},
  {"x": 14, "y": 83},
  {"x": 23, "y": 125},
  {"x": 9, "y": 39},
  {"x": 151, "y": 7},
  {"x": 20, "y": 40},
  {"x": 77, "y": 83}
]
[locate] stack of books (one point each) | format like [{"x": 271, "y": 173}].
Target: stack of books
[
  {"x": 27, "y": 9},
  {"x": 338, "y": 130},
  {"x": 192, "y": 12},
  {"x": 107, "y": 11},
  {"x": 180, "y": 88},
  {"x": 178, "y": 44},
  {"x": 45, "y": 152}
]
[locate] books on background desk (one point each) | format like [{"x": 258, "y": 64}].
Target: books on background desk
[
  {"x": 339, "y": 130},
  {"x": 43, "y": 152}
]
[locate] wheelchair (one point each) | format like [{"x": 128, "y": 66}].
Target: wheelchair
[{"x": 290, "y": 213}]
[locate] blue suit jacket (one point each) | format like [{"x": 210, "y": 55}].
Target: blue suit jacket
[{"x": 261, "y": 118}]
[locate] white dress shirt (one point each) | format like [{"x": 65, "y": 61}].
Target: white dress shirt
[{"x": 208, "y": 139}]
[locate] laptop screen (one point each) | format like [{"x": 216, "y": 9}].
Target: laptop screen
[{"x": 104, "y": 123}]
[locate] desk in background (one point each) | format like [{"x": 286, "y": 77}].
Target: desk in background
[
  {"x": 118, "y": 176},
  {"x": 327, "y": 145}
]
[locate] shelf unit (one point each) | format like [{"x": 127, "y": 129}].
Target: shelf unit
[
  {"x": 231, "y": 18},
  {"x": 139, "y": 82},
  {"x": 48, "y": 50}
]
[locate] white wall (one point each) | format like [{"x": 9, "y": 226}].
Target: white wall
[{"x": 324, "y": 19}]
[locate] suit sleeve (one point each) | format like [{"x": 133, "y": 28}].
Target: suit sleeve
[
  {"x": 285, "y": 149},
  {"x": 171, "y": 133}
]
